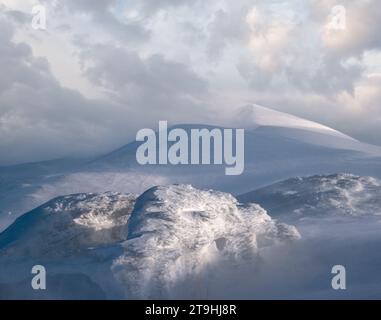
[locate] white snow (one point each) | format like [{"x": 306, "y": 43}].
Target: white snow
[
  {"x": 183, "y": 242},
  {"x": 333, "y": 195},
  {"x": 252, "y": 116},
  {"x": 67, "y": 225},
  {"x": 175, "y": 232},
  {"x": 277, "y": 146},
  {"x": 179, "y": 241}
]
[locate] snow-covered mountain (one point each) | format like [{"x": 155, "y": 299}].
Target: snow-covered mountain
[
  {"x": 97, "y": 243},
  {"x": 320, "y": 195},
  {"x": 67, "y": 225},
  {"x": 178, "y": 232},
  {"x": 270, "y": 137},
  {"x": 73, "y": 237},
  {"x": 181, "y": 242},
  {"x": 277, "y": 146},
  {"x": 339, "y": 219},
  {"x": 98, "y": 240}
]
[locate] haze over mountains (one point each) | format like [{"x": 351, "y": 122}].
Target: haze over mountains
[
  {"x": 277, "y": 146},
  {"x": 98, "y": 244},
  {"x": 108, "y": 227},
  {"x": 181, "y": 242},
  {"x": 336, "y": 195}
]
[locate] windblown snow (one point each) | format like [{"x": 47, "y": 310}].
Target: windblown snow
[
  {"x": 174, "y": 233},
  {"x": 98, "y": 240},
  {"x": 68, "y": 225},
  {"x": 335, "y": 194},
  {"x": 278, "y": 146}
]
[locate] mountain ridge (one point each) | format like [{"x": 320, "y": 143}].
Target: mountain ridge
[{"x": 272, "y": 153}]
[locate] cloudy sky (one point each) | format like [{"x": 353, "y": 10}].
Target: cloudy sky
[{"x": 103, "y": 69}]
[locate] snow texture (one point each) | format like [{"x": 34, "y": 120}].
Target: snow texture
[
  {"x": 335, "y": 194},
  {"x": 174, "y": 232},
  {"x": 278, "y": 146},
  {"x": 68, "y": 225}
]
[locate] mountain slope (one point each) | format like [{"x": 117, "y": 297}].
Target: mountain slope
[
  {"x": 339, "y": 218},
  {"x": 181, "y": 242},
  {"x": 277, "y": 146},
  {"x": 173, "y": 233},
  {"x": 68, "y": 225},
  {"x": 177, "y": 232},
  {"x": 264, "y": 123},
  {"x": 321, "y": 195}
]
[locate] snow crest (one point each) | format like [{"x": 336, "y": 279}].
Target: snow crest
[{"x": 176, "y": 232}]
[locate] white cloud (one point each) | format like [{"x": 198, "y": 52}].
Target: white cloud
[{"x": 103, "y": 69}]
